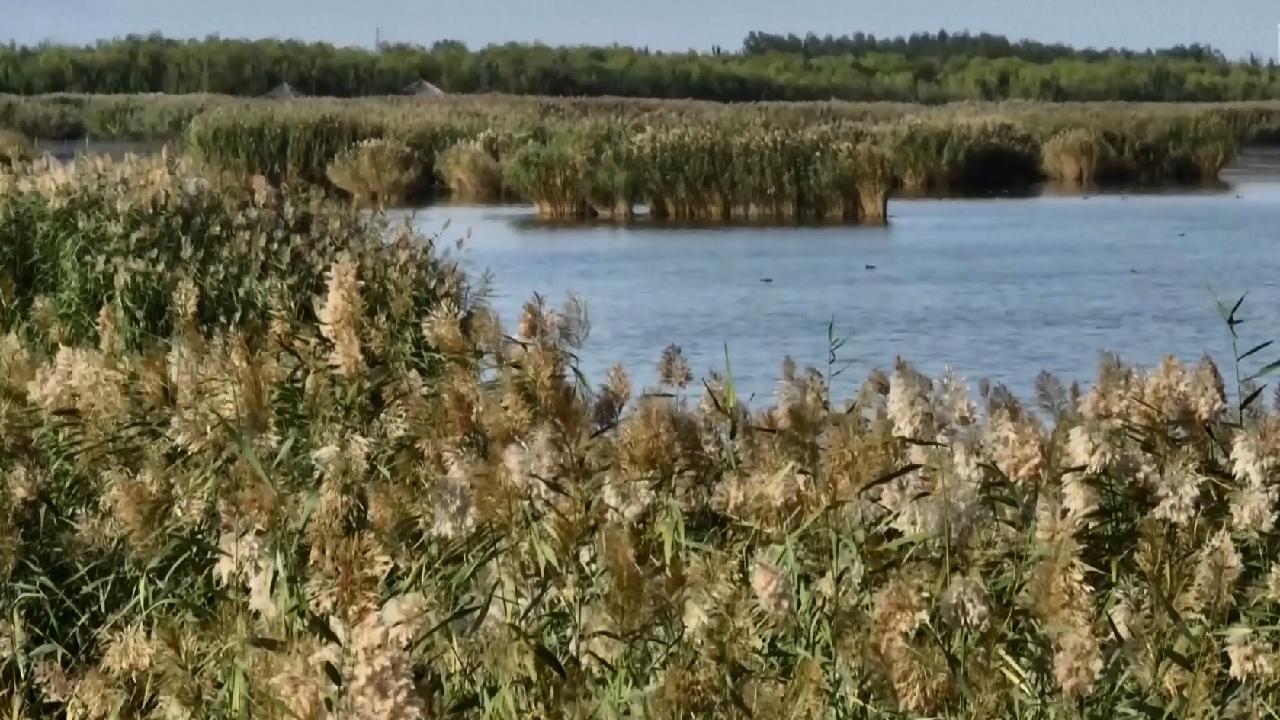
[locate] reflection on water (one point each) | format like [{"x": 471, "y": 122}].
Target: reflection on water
[
  {"x": 1255, "y": 163},
  {"x": 999, "y": 288}
]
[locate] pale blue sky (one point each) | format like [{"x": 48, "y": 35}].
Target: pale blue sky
[{"x": 1236, "y": 26}]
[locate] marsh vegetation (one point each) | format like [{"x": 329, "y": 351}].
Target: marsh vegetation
[
  {"x": 687, "y": 161},
  {"x": 263, "y": 456}
]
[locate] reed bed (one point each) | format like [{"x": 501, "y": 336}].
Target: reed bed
[
  {"x": 296, "y": 142},
  {"x": 717, "y": 171},
  {"x": 104, "y": 117},
  {"x": 703, "y": 162},
  {"x": 696, "y": 161},
  {"x": 264, "y": 456},
  {"x": 964, "y": 153}
]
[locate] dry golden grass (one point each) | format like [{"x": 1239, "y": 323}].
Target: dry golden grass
[
  {"x": 14, "y": 146},
  {"x": 375, "y": 172},
  {"x": 262, "y": 456},
  {"x": 470, "y": 172},
  {"x": 1074, "y": 156}
]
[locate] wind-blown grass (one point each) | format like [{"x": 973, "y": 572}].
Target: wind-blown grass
[{"x": 265, "y": 457}]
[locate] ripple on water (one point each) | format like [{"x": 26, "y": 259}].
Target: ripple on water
[{"x": 998, "y": 288}]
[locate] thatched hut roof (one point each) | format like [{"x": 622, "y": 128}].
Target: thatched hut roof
[
  {"x": 423, "y": 89},
  {"x": 283, "y": 91}
]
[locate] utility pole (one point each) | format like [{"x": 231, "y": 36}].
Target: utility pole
[{"x": 377, "y": 38}]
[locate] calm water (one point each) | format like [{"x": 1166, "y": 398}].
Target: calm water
[{"x": 998, "y": 288}]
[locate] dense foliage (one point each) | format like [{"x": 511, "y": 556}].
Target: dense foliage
[
  {"x": 259, "y": 459},
  {"x": 925, "y": 68},
  {"x": 685, "y": 160},
  {"x": 115, "y": 117},
  {"x": 943, "y": 45},
  {"x": 706, "y": 161}
]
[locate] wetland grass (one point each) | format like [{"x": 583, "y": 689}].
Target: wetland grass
[
  {"x": 686, "y": 161},
  {"x": 1074, "y": 156},
  {"x": 377, "y": 172},
  {"x": 265, "y": 456}
]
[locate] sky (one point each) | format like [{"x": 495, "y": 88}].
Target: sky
[{"x": 1237, "y": 27}]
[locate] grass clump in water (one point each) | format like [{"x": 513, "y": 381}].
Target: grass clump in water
[
  {"x": 1211, "y": 147},
  {"x": 470, "y": 172},
  {"x": 1074, "y": 156},
  {"x": 874, "y": 180},
  {"x": 378, "y": 172},
  {"x": 553, "y": 176}
]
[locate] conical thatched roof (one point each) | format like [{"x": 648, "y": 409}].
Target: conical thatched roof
[
  {"x": 283, "y": 91},
  {"x": 424, "y": 89}
]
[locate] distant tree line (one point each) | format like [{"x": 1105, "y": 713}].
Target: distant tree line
[
  {"x": 943, "y": 45},
  {"x": 921, "y": 68}
]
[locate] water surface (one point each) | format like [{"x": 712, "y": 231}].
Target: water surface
[{"x": 997, "y": 288}]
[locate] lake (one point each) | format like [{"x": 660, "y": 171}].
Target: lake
[{"x": 999, "y": 288}]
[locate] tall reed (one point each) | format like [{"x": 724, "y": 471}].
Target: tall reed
[
  {"x": 1074, "y": 156},
  {"x": 553, "y": 177},
  {"x": 263, "y": 456},
  {"x": 965, "y": 153},
  {"x": 686, "y": 160},
  {"x": 377, "y": 172},
  {"x": 470, "y": 171}
]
